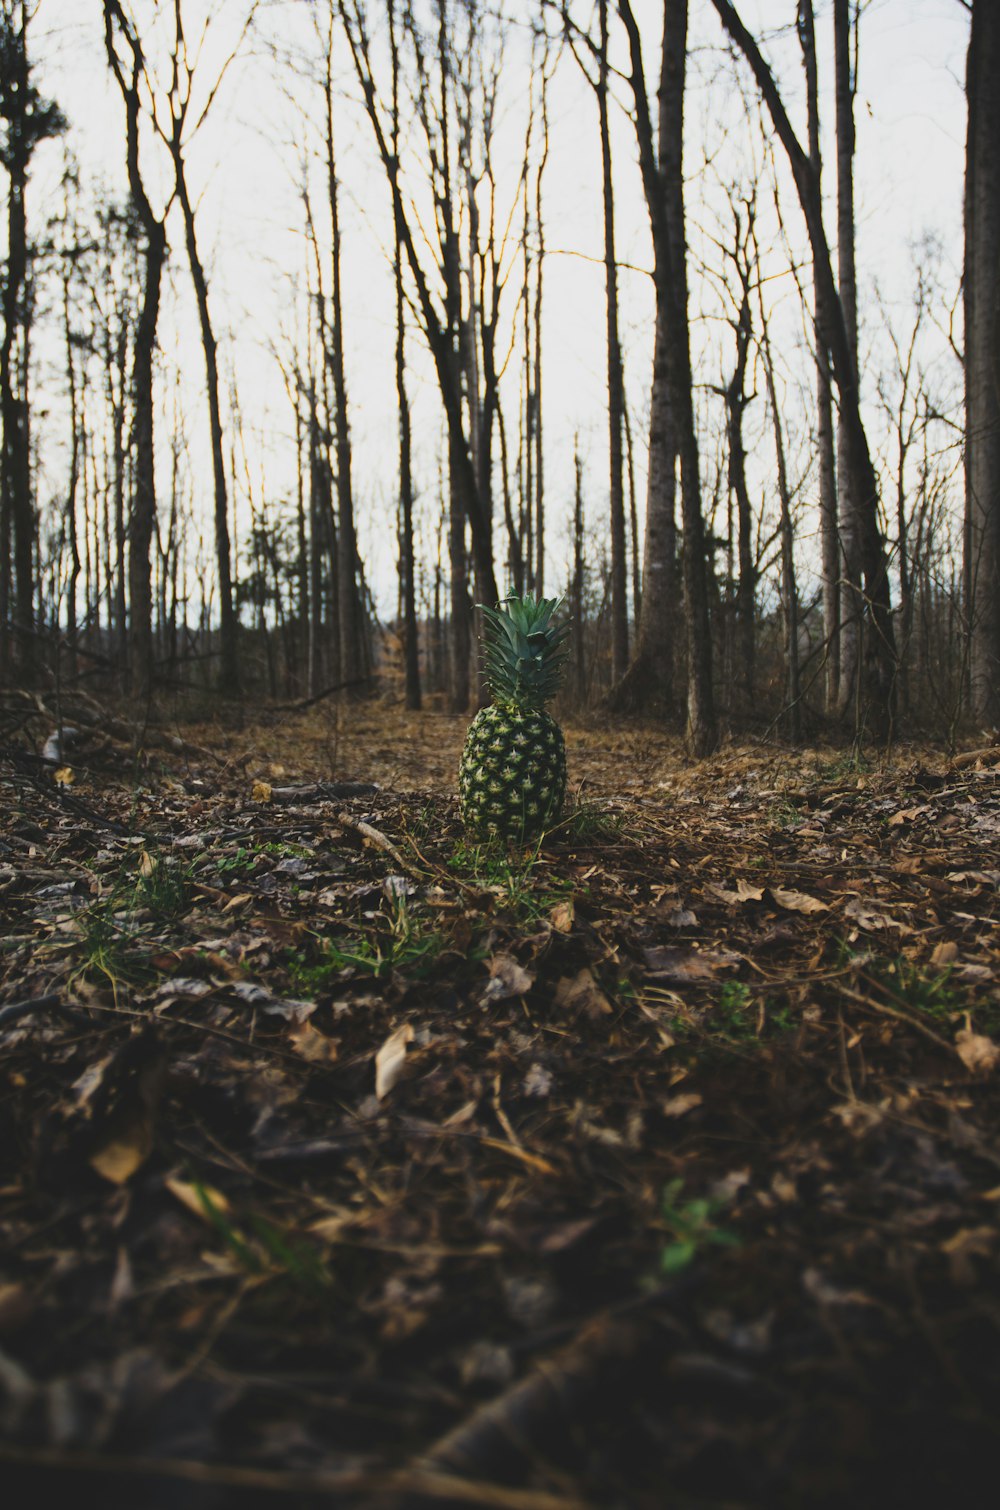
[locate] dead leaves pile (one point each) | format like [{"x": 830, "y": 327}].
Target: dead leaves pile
[{"x": 337, "y": 1158}]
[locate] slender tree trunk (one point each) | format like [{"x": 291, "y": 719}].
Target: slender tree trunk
[
  {"x": 619, "y": 565},
  {"x": 229, "y": 659},
  {"x": 350, "y": 607},
  {"x": 746, "y": 592},
  {"x": 849, "y": 503},
  {"x": 825, "y": 450},
  {"x": 664, "y": 188},
  {"x": 407, "y": 562},
  {"x": 15, "y": 480},
  {"x": 982, "y": 362},
  {"x": 142, "y": 520},
  {"x": 878, "y": 709}
]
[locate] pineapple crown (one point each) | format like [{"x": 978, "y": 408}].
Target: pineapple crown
[{"x": 523, "y": 650}]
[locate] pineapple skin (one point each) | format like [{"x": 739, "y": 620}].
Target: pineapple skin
[{"x": 512, "y": 775}]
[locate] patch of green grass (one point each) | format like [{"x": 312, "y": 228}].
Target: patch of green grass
[
  {"x": 692, "y": 1226},
  {"x": 784, "y": 814},
  {"x": 919, "y": 990},
  {"x": 247, "y": 856},
  {"x": 852, "y": 762},
  {"x": 268, "y": 1250},
  {"x": 732, "y": 1014},
  {"x": 163, "y": 887},
  {"x": 407, "y": 945},
  {"x": 513, "y": 875},
  {"x": 589, "y": 823},
  {"x": 110, "y": 931}
]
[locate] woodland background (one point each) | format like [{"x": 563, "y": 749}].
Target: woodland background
[{"x": 792, "y": 523}]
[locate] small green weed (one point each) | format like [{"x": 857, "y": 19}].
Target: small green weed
[
  {"x": 110, "y": 930},
  {"x": 589, "y": 823},
  {"x": 916, "y": 988},
  {"x": 512, "y": 875},
  {"x": 692, "y": 1226},
  {"x": 408, "y": 946},
  {"x": 269, "y": 1250},
  {"x": 731, "y": 1011},
  {"x": 852, "y": 762},
  {"x": 784, "y": 814}
]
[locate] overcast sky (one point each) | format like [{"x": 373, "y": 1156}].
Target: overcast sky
[{"x": 245, "y": 168}]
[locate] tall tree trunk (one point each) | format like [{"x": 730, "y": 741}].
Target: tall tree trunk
[
  {"x": 982, "y": 362},
  {"x": 880, "y": 690},
  {"x": 229, "y": 660},
  {"x": 15, "y": 477},
  {"x": 143, "y": 507},
  {"x": 616, "y": 496},
  {"x": 407, "y": 561},
  {"x": 746, "y": 592},
  {"x": 664, "y": 189},
  {"x": 350, "y": 607},
  {"x": 825, "y": 450},
  {"x": 849, "y": 503}
]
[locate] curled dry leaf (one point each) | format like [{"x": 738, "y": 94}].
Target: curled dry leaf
[
  {"x": 119, "y": 1158},
  {"x": 685, "y": 966},
  {"x": 562, "y": 915},
  {"x": 312, "y": 1044},
  {"x": 390, "y": 1059},
  {"x": 507, "y": 979},
  {"x": 743, "y": 892},
  {"x": 977, "y": 1052},
  {"x": 869, "y": 917},
  {"x": 679, "y": 1106},
  {"x": 582, "y": 994},
  {"x": 797, "y": 901}
]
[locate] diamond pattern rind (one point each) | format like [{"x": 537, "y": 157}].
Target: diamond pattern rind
[{"x": 512, "y": 776}]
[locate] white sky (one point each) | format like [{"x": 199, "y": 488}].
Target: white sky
[{"x": 245, "y": 169}]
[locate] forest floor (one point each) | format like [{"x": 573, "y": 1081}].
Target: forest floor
[{"x": 345, "y": 1161}]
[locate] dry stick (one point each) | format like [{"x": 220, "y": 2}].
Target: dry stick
[
  {"x": 52, "y": 1002},
  {"x": 524, "y": 1414},
  {"x": 374, "y": 837},
  {"x": 295, "y": 1481},
  {"x": 897, "y": 1016}
]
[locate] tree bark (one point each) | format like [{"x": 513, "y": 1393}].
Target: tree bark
[
  {"x": 825, "y": 450},
  {"x": 662, "y": 176},
  {"x": 878, "y": 711},
  {"x": 616, "y": 404},
  {"x": 143, "y": 510},
  {"x": 982, "y": 362},
  {"x": 851, "y": 526}
]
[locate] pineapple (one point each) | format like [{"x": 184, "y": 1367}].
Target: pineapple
[{"x": 512, "y": 776}]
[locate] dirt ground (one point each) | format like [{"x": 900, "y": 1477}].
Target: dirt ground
[{"x": 343, "y": 1160}]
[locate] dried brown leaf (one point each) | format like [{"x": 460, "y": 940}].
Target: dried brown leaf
[
  {"x": 977, "y": 1052},
  {"x": 390, "y": 1059},
  {"x": 797, "y": 901},
  {"x": 679, "y": 1106},
  {"x": 507, "y": 979},
  {"x": 743, "y": 892},
  {"x": 581, "y": 993},
  {"x": 562, "y": 915}
]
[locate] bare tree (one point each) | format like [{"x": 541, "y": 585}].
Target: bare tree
[
  {"x": 127, "y": 63},
  {"x": 672, "y": 428},
  {"x": 176, "y": 134},
  {"x": 982, "y": 360},
  {"x": 877, "y": 708},
  {"x": 28, "y": 119}
]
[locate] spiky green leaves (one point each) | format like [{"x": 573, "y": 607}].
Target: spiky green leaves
[
  {"x": 512, "y": 777},
  {"x": 524, "y": 651}
]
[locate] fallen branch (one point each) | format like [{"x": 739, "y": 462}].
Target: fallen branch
[
  {"x": 496, "y": 1435},
  {"x": 334, "y": 1483}
]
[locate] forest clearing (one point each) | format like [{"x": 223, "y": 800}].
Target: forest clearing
[{"x": 347, "y": 1161}]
